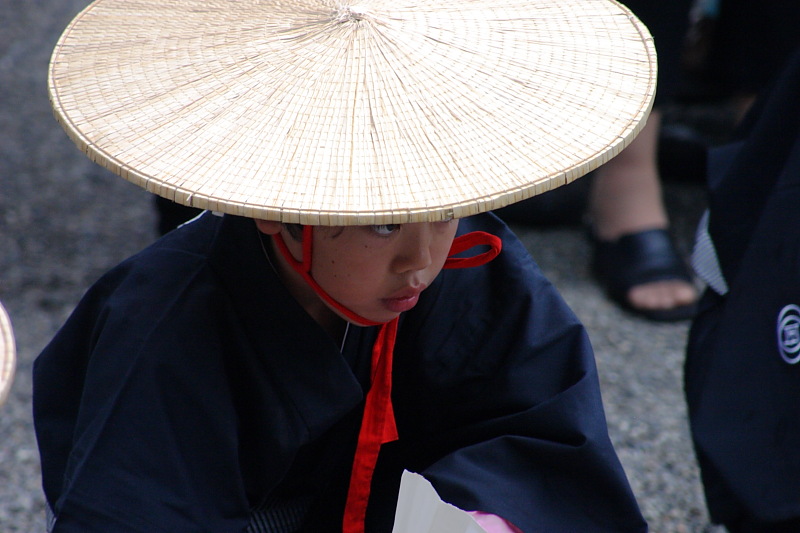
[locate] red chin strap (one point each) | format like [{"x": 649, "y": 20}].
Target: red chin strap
[{"x": 378, "y": 424}]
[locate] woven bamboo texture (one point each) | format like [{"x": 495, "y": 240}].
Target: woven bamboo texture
[
  {"x": 336, "y": 113},
  {"x": 8, "y": 355}
]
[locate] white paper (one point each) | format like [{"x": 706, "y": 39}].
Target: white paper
[{"x": 420, "y": 510}]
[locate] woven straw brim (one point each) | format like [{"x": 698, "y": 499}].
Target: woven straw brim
[
  {"x": 330, "y": 113},
  {"x": 8, "y": 355}
]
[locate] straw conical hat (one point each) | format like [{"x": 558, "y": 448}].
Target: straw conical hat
[
  {"x": 8, "y": 355},
  {"x": 352, "y": 112}
]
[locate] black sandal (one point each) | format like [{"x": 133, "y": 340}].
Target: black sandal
[{"x": 636, "y": 259}]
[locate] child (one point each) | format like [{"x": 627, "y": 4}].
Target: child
[{"x": 276, "y": 368}]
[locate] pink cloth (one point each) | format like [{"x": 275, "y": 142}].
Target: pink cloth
[{"x": 493, "y": 523}]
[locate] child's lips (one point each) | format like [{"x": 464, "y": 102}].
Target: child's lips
[{"x": 403, "y": 300}]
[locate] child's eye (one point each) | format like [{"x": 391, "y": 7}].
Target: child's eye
[{"x": 385, "y": 229}]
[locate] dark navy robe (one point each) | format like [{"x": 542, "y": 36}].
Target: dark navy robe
[
  {"x": 189, "y": 392},
  {"x": 742, "y": 377}
]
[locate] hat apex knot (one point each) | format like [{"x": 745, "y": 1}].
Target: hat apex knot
[{"x": 349, "y": 13}]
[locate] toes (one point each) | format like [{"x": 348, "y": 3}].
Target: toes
[{"x": 667, "y": 294}]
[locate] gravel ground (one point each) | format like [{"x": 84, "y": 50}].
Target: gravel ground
[{"x": 64, "y": 221}]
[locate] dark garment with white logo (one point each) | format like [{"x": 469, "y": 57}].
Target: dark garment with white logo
[
  {"x": 743, "y": 358},
  {"x": 189, "y": 392}
]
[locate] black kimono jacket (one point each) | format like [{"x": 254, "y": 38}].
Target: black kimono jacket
[{"x": 189, "y": 392}]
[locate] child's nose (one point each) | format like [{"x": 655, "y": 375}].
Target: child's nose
[{"x": 415, "y": 251}]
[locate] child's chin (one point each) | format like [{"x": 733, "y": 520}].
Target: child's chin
[{"x": 372, "y": 318}]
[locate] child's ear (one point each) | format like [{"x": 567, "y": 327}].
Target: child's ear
[{"x": 269, "y": 227}]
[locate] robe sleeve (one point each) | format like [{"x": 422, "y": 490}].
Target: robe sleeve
[
  {"x": 136, "y": 427},
  {"x": 515, "y": 424}
]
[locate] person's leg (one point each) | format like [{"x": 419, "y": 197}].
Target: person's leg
[
  {"x": 626, "y": 193},
  {"x": 626, "y": 199}
]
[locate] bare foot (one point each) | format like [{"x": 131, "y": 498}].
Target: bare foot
[{"x": 662, "y": 295}]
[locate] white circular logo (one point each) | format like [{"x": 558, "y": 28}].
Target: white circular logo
[{"x": 789, "y": 334}]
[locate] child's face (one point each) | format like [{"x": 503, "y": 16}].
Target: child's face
[{"x": 378, "y": 272}]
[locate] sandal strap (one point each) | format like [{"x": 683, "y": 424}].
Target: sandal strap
[{"x": 638, "y": 258}]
